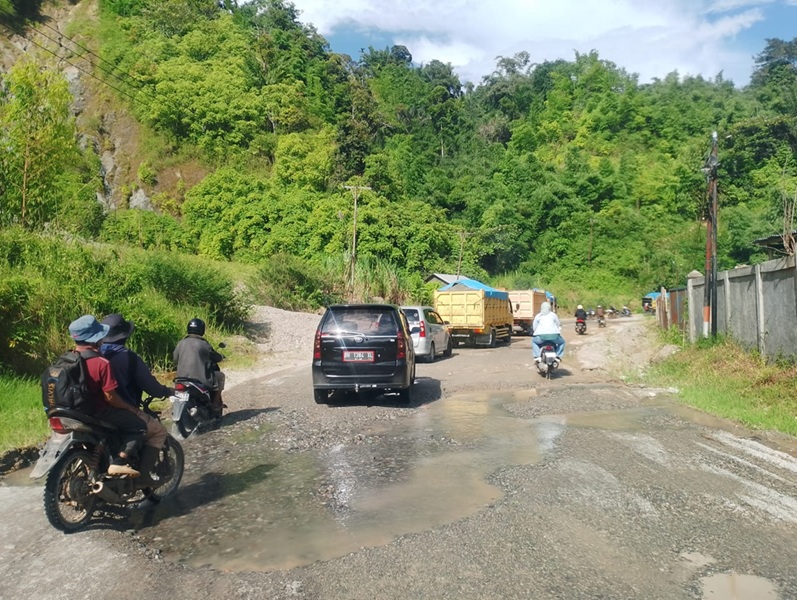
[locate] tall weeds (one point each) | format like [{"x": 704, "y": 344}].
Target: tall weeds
[{"x": 46, "y": 282}]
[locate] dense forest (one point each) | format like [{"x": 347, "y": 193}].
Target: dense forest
[{"x": 252, "y": 138}]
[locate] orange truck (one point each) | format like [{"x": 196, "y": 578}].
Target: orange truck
[{"x": 525, "y": 305}]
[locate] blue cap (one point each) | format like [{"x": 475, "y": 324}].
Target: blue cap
[{"x": 87, "y": 329}]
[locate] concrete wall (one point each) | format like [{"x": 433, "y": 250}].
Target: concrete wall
[{"x": 755, "y": 305}]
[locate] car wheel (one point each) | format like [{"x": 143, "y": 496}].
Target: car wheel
[
  {"x": 321, "y": 396},
  {"x": 431, "y": 356},
  {"x": 449, "y": 349}
]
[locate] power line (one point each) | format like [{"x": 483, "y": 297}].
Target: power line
[
  {"x": 34, "y": 42},
  {"x": 130, "y": 79}
]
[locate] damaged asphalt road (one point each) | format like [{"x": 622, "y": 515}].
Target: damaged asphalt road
[{"x": 494, "y": 483}]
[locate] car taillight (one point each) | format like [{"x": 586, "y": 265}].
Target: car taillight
[
  {"x": 401, "y": 346},
  {"x": 317, "y": 346},
  {"x": 423, "y": 330},
  {"x": 180, "y": 387}
]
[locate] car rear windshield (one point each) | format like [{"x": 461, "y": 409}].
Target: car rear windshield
[
  {"x": 411, "y": 314},
  {"x": 360, "y": 320}
]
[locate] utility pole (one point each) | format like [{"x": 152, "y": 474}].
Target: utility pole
[
  {"x": 710, "y": 285},
  {"x": 355, "y": 192}
]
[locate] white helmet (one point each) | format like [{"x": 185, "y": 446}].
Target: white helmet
[{"x": 580, "y": 307}]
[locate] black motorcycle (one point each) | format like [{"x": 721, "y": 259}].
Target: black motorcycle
[
  {"x": 192, "y": 406},
  {"x": 76, "y": 459}
]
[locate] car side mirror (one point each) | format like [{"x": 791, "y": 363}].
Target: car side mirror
[{"x": 446, "y": 323}]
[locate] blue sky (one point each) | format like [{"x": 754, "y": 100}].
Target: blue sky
[{"x": 648, "y": 37}]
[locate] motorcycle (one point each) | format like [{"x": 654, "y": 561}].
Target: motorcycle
[
  {"x": 581, "y": 326},
  {"x": 591, "y": 313},
  {"x": 76, "y": 459},
  {"x": 548, "y": 360},
  {"x": 192, "y": 406},
  {"x": 601, "y": 322},
  {"x": 626, "y": 312}
]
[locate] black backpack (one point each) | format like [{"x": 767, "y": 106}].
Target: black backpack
[{"x": 64, "y": 382}]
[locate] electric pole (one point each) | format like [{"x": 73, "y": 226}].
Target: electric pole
[
  {"x": 710, "y": 279},
  {"x": 355, "y": 192}
]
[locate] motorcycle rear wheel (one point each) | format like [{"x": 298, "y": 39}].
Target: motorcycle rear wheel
[
  {"x": 171, "y": 462},
  {"x": 68, "y": 501},
  {"x": 187, "y": 423}
]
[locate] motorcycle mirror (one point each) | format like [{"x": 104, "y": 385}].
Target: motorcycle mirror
[{"x": 222, "y": 345}]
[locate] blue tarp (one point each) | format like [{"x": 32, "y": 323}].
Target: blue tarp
[
  {"x": 489, "y": 292},
  {"x": 652, "y": 295}
]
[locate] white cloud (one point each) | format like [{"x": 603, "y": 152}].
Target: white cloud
[{"x": 649, "y": 37}]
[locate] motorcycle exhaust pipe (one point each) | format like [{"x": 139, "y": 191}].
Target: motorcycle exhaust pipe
[{"x": 106, "y": 494}]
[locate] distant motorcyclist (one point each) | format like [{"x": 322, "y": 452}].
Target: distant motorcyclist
[
  {"x": 196, "y": 359},
  {"x": 546, "y": 328},
  {"x": 581, "y": 314},
  {"x": 600, "y": 312}
]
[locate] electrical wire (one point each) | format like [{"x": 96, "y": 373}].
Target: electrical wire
[
  {"x": 35, "y": 43},
  {"x": 130, "y": 79}
]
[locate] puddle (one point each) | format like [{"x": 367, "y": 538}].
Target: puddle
[
  {"x": 732, "y": 586},
  {"x": 284, "y": 511},
  {"x": 21, "y": 478}
]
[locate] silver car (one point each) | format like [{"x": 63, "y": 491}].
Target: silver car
[{"x": 430, "y": 334}]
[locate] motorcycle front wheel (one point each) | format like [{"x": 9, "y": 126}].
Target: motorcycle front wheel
[
  {"x": 68, "y": 501},
  {"x": 170, "y": 466},
  {"x": 189, "y": 420}
]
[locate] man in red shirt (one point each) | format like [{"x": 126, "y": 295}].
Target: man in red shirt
[{"x": 109, "y": 406}]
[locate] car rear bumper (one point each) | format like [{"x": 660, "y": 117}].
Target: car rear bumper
[{"x": 400, "y": 379}]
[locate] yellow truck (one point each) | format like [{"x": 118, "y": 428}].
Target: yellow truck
[
  {"x": 525, "y": 305},
  {"x": 475, "y": 312}
]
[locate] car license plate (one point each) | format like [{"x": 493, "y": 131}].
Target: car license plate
[{"x": 358, "y": 356}]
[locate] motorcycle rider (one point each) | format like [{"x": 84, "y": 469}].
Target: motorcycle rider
[
  {"x": 196, "y": 359},
  {"x": 581, "y": 314},
  {"x": 600, "y": 314},
  {"x": 109, "y": 406},
  {"x": 547, "y": 328},
  {"x": 134, "y": 377}
]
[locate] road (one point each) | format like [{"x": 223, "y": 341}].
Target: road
[{"x": 494, "y": 483}]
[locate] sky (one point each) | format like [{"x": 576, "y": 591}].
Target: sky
[{"x": 649, "y": 37}]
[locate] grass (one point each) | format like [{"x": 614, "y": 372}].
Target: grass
[
  {"x": 723, "y": 379},
  {"x": 24, "y": 423}
]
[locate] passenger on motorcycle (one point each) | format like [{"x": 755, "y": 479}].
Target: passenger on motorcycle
[
  {"x": 546, "y": 328},
  {"x": 134, "y": 377},
  {"x": 109, "y": 406},
  {"x": 196, "y": 359},
  {"x": 581, "y": 314}
]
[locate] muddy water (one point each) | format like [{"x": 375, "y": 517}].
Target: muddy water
[{"x": 425, "y": 472}]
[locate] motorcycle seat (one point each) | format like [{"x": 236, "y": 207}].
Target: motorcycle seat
[{"x": 82, "y": 417}]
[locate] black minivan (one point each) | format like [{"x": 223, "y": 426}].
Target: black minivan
[{"x": 363, "y": 347}]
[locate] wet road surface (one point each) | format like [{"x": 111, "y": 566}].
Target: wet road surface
[{"x": 493, "y": 484}]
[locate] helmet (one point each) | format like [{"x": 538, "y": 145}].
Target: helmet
[
  {"x": 599, "y": 306},
  {"x": 196, "y": 326},
  {"x": 579, "y": 307}
]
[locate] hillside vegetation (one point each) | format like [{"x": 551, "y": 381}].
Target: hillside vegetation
[{"x": 243, "y": 128}]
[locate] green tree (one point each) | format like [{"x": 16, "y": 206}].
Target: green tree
[{"x": 38, "y": 135}]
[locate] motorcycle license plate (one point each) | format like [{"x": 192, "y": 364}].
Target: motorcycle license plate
[
  {"x": 358, "y": 356},
  {"x": 182, "y": 396}
]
